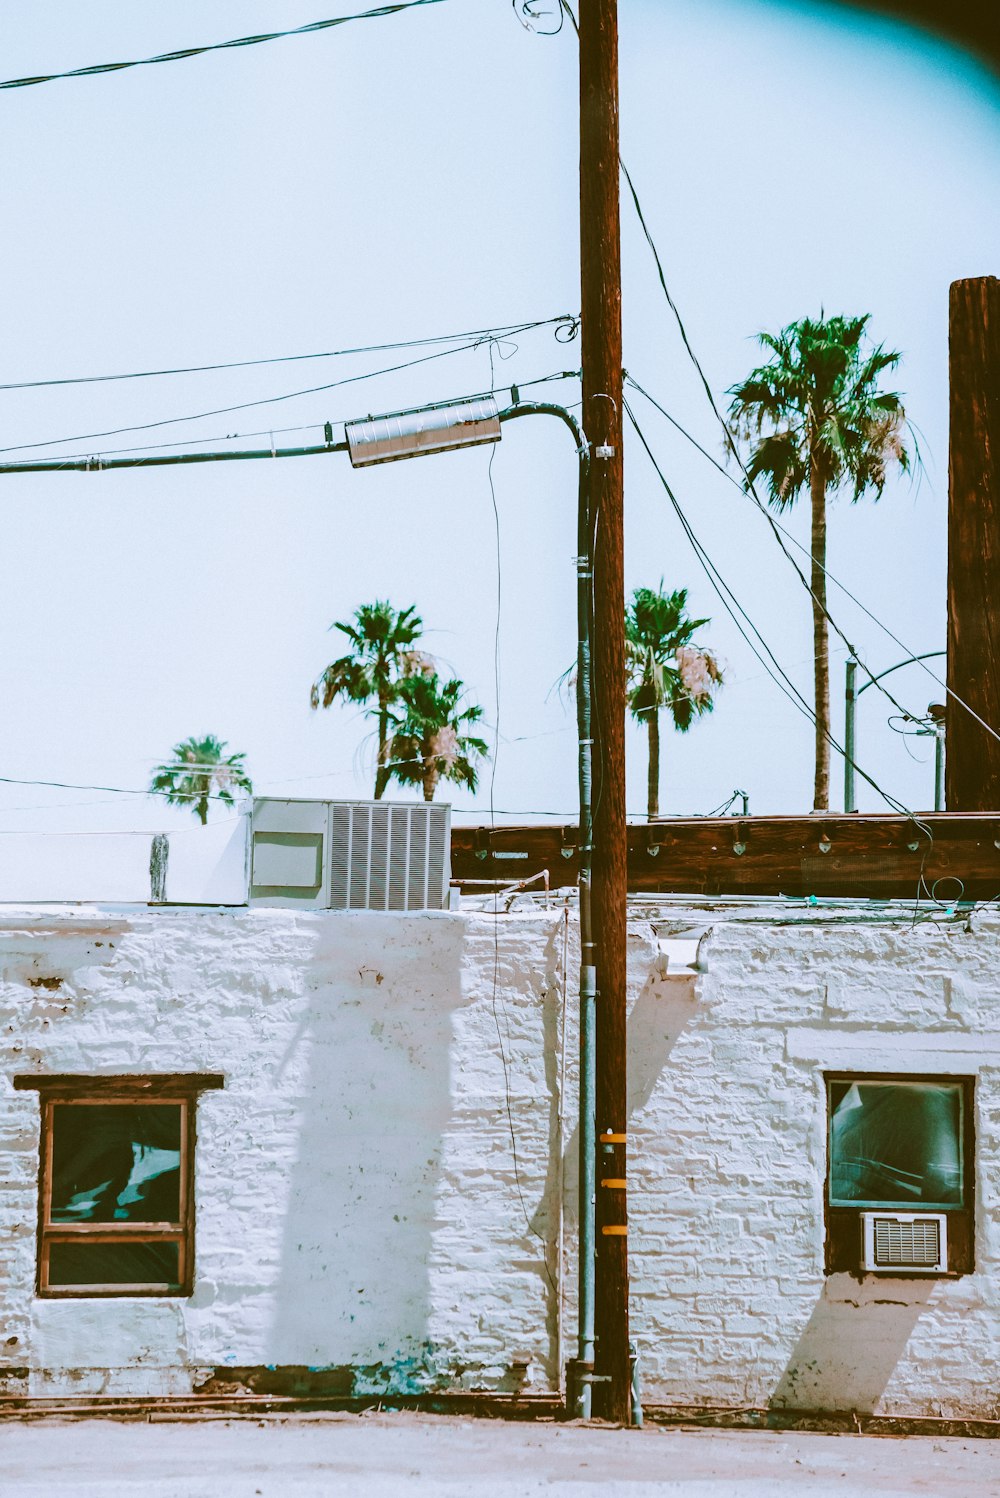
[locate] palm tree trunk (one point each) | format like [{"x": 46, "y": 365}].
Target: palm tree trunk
[
  {"x": 653, "y": 783},
  {"x": 821, "y": 642},
  {"x": 382, "y": 770},
  {"x": 430, "y": 779}
]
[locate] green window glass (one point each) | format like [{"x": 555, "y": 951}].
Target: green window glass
[
  {"x": 896, "y": 1145},
  {"x": 115, "y": 1162}
]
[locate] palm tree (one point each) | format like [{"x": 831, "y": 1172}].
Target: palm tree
[
  {"x": 815, "y": 418},
  {"x": 381, "y": 656},
  {"x": 198, "y": 772},
  {"x": 665, "y": 670},
  {"x": 432, "y": 742}
]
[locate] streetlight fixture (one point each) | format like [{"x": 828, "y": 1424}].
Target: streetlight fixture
[{"x": 425, "y": 429}]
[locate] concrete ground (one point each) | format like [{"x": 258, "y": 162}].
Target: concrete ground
[{"x": 416, "y": 1456}]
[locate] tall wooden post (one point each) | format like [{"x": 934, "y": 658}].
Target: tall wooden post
[
  {"x": 600, "y": 274},
  {"x": 972, "y": 766}
]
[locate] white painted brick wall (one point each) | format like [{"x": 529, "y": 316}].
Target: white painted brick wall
[
  {"x": 730, "y": 1302},
  {"x": 356, "y": 1200},
  {"x": 357, "y": 1204}
]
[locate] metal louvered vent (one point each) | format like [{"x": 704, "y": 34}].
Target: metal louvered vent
[
  {"x": 907, "y": 1242},
  {"x": 386, "y": 856},
  {"x": 351, "y": 855}
]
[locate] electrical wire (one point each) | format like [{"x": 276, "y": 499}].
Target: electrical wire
[
  {"x": 778, "y": 675},
  {"x": 525, "y": 12},
  {"x": 507, "y": 330},
  {"x": 318, "y": 425},
  {"x": 779, "y": 532},
  {"x": 116, "y": 790},
  {"x": 270, "y": 400},
  {"x": 751, "y": 492},
  {"x": 241, "y": 41},
  {"x": 65, "y": 458}
]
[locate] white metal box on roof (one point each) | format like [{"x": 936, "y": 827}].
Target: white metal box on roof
[{"x": 350, "y": 855}]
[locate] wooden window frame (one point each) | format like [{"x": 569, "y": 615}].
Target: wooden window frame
[
  {"x": 842, "y": 1236},
  {"x": 179, "y": 1090}
]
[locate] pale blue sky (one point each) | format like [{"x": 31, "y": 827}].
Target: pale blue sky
[{"x": 416, "y": 175}]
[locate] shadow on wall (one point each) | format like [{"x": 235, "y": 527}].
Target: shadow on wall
[
  {"x": 851, "y": 1345},
  {"x": 657, "y": 1021},
  {"x": 369, "y": 1071},
  {"x": 654, "y": 1025}
]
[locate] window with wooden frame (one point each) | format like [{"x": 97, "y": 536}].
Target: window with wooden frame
[
  {"x": 116, "y": 1184},
  {"x": 899, "y": 1144}
]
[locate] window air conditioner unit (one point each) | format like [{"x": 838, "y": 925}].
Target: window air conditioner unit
[
  {"x": 904, "y": 1242},
  {"x": 350, "y": 855}
]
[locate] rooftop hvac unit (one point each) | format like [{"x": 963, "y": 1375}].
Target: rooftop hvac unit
[
  {"x": 350, "y": 855},
  {"x": 904, "y": 1242}
]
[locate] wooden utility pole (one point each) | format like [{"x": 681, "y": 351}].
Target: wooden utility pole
[
  {"x": 972, "y": 766},
  {"x": 601, "y": 333}
]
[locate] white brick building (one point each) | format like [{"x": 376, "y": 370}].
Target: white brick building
[{"x": 357, "y": 1223}]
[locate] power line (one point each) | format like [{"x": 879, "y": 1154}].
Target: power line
[
  {"x": 733, "y": 606},
  {"x": 751, "y": 492},
  {"x": 244, "y": 405},
  {"x": 507, "y": 330},
  {"x": 565, "y": 7},
  {"x": 779, "y": 532},
  {"x": 117, "y": 790},
  {"x": 319, "y": 425},
  {"x": 103, "y": 460},
  {"x": 241, "y": 41}
]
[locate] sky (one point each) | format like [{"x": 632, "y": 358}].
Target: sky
[{"x": 404, "y": 178}]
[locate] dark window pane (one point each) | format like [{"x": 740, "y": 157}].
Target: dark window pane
[
  {"x": 896, "y": 1144},
  {"x": 116, "y": 1162},
  {"x": 114, "y": 1264}
]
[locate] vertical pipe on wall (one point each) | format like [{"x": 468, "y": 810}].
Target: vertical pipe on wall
[
  {"x": 588, "y": 971},
  {"x": 850, "y": 716}
]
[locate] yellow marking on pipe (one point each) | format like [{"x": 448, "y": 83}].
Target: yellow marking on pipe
[
  {"x": 614, "y": 1232},
  {"x": 615, "y": 1184}
]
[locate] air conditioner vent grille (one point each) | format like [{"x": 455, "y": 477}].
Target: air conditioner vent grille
[{"x": 905, "y": 1241}]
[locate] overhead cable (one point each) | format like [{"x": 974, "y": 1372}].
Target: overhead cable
[
  {"x": 106, "y": 458},
  {"x": 734, "y": 608},
  {"x": 752, "y": 494},
  {"x": 241, "y": 41},
  {"x": 779, "y": 532},
  {"x": 117, "y": 790},
  {"x": 750, "y": 490},
  {"x": 270, "y": 400},
  {"x": 507, "y": 330}
]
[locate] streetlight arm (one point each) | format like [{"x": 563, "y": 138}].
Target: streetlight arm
[
  {"x": 549, "y": 408},
  {"x": 928, "y": 655}
]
